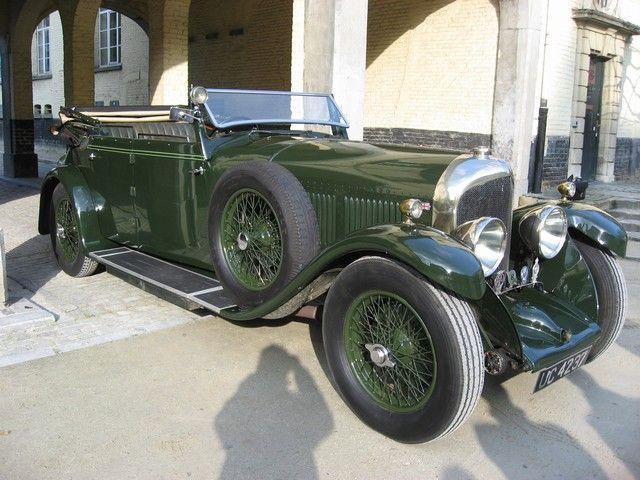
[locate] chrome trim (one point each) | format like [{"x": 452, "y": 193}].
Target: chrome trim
[{"x": 464, "y": 172}]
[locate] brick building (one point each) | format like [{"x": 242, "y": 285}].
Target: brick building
[{"x": 445, "y": 73}]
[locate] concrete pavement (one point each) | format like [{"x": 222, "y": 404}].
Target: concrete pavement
[{"x": 185, "y": 396}]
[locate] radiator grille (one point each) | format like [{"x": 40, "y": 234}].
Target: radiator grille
[{"x": 489, "y": 199}]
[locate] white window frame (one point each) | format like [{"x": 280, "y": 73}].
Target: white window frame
[
  {"x": 110, "y": 49},
  {"x": 43, "y": 46}
]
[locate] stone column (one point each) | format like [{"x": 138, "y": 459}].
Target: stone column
[
  {"x": 78, "y": 19},
  {"x": 17, "y": 112},
  {"x": 329, "y": 53},
  {"x": 517, "y": 72},
  {"x": 168, "y": 51}
]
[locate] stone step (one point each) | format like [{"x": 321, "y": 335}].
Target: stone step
[
  {"x": 620, "y": 203},
  {"x": 634, "y": 236},
  {"x": 631, "y": 225},
  {"x": 626, "y": 213}
]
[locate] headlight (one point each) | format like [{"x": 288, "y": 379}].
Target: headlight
[
  {"x": 487, "y": 238},
  {"x": 199, "y": 95},
  {"x": 544, "y": 230}
]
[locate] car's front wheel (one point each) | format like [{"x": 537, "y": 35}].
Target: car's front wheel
[
  {"x": 64, "y": 229},
  {"x": 405, "y": 355},
  {"x": 611, "y": 291}
]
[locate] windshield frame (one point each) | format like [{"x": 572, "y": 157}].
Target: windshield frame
[{"x": 274, "y": 121}]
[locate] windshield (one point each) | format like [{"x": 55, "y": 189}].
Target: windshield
[{"x": 228, "y": 108}]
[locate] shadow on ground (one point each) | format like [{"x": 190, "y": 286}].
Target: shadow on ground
[
  {"x": 273, "y": 423},
  {"x": 21, "y": 267},
  {"x": 502, "y": 439},
  {"x": 606, "y": 406}
]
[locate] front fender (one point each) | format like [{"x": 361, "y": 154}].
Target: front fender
[
  {"x": 77, "y": 188},
  {"x": 438, "y": 257},
  {"x": 597, "y": 225}
]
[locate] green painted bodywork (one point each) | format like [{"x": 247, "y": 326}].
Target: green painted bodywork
[{"x": 144, "y": 194}]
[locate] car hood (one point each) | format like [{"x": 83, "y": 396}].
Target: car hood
[{"x": 355, "y": 168}]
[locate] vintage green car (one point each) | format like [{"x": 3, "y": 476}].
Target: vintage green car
[{"x": 252, "y": 204}]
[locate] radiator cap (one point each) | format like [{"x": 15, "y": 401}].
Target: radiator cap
[{"x": 481, "y": 152}]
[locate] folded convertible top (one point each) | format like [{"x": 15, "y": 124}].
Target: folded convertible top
[{"x": 94, "y": 115}]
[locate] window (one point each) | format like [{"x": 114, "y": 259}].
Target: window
[
  {"x": 114, "y": 103},
  {"x": 110, "y": 37},
  {"x": 37, "y": 110},
  {"x": 43, "y": 46},
  {"x": 47, "y": 110}
]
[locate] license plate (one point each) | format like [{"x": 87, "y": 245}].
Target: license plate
[{"x": 561, "y": 369}]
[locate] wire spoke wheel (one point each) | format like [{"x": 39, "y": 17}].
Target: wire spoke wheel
[
  {"x": 390, "y": 351},
  {"x": 67, "y": 235},
  {"x": 251, "y": 239}
]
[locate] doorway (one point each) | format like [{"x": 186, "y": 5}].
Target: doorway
[{"x": 592, "y": 118}]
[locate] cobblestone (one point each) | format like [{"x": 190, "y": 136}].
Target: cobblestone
[{"x": 88, "y": 311}]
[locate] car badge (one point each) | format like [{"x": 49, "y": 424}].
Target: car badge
[
  {"x": 512, "y": 276},
  {"x": 524, "y": 274},
  {"x": 535, "y": 271},
  {"x": 499, "y": 280}
]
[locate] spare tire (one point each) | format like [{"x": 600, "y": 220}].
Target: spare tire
[{"x": 262, "y": 230}]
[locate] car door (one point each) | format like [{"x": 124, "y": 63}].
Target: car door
[
  {"x": 110, "y": 173},
  {"x": 167, "y": 177}
]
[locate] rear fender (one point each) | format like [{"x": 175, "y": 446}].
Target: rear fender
[
  {"x": 77, "y": 188},
  {"x": 437, "y": 256}
]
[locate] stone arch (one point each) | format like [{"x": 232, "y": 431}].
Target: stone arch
[{"x": 136, "y": 10}]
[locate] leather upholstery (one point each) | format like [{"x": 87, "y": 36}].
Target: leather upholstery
[{"x": 169, "y": 131}]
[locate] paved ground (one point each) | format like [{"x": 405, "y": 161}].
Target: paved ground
[{"x": 210, "y": 399}]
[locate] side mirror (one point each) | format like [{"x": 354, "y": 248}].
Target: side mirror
[{"x": 179, "y": 114}]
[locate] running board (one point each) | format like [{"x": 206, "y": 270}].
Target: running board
[{"x": 189, "y": 286}]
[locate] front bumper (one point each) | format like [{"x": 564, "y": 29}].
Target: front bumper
[{"x": 549, "y": 327}]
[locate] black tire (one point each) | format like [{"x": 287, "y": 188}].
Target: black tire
[
  {"x": 77, "y": 264},
  {"x": 611, "y": 290},
  {"x": 297, "y": 225},
  {"x": 456, "y": 342}
]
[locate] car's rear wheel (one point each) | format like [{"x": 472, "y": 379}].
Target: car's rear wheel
[
  {"x": 611, "y": 290},
  {"x": 405, "y": 355},
  {"x": 263, "y": 230},
  {"x": 64, "y": 229}
]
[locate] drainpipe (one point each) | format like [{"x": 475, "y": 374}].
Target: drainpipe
[{"x": 535, "y": 177}]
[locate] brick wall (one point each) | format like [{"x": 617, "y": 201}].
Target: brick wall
[
  {"x": 129, "y": 84},
  {"x": 431, "y": 65},
  {"x": 240, "y": 44},
  {"x": 459, "y": 141},
  {"x": 556, "y": 156}
]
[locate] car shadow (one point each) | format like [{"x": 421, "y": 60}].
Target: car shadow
[
  {"x": 274, "y": 422},
  {"x": 32, "y": 263},
  {"x": 10, "y": 192},
  {"x": 605, "y": 418},
  {"x": 509, "y": 434}
]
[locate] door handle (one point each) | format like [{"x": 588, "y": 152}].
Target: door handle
[
  {"x": 197, "y": 171},
  {"x": 92, "y": 156}
]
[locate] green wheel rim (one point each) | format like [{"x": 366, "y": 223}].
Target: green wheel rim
[
  {"x": 251, "y": 239},
  {"x": 390, "y": 351},
  {"x": 67, "y": 238}
]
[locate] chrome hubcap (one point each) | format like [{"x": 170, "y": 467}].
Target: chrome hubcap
[
  {"x": 60, "y": 231},
  {"x": 379, "y": 355},
  {"x": 243, "y": 241}
]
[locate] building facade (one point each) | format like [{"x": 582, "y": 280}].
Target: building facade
[
  {"x": 121, "y": 64},
  {"x": 449, "y": 74}
]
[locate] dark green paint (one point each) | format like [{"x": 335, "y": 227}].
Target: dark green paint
[
  {"x": 539, "y": 318},
  {"x": 355, "y": 189}
]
